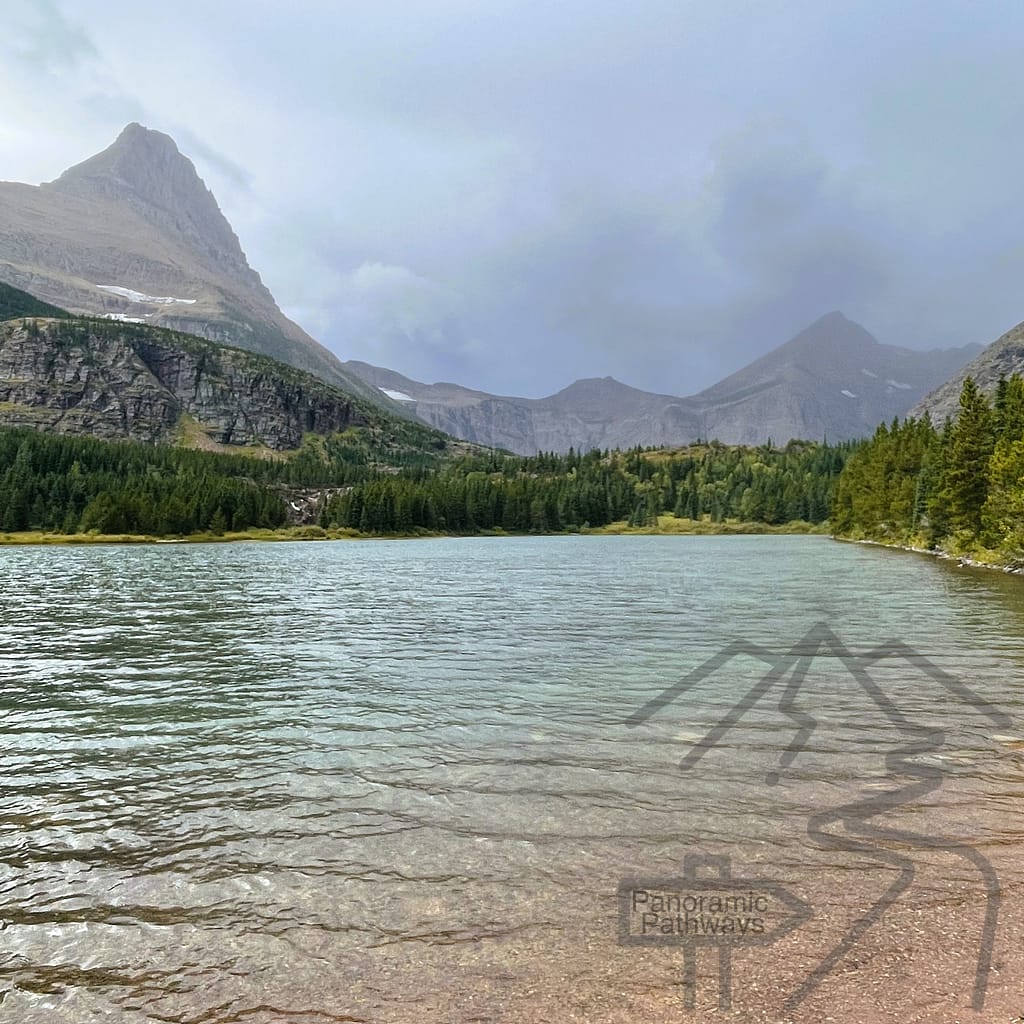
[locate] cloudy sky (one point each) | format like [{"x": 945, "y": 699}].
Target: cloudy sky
[{"x": 512, "y": 194}]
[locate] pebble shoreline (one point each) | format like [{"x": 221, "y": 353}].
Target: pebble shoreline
[{"x": 962, "y": 560}]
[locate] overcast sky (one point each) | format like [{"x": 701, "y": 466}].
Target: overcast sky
[{"x": 513, "y": 194}]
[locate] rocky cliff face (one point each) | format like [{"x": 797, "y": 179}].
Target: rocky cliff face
[
  {"x": 833, "y": 380},
  {"x": 1003, "y": 358},
  {"x": 123, "y": 381},
  {"x": 134, "y": 233}
]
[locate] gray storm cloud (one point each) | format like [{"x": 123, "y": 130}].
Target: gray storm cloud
[{"x": 513, "y": 195}]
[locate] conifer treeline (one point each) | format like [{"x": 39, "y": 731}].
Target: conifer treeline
[
  {"x": 16, "y": 303},
  {"x": 70, "y": 485},
  {"x": 959, "y": 488},
  {"x": 551, "y": 493},
  {"x": 76, "y": 484}
]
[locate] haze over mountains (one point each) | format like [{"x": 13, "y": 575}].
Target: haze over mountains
[
  {"x": 833, "y": 380},
  {"x": 133, "y": 234}
]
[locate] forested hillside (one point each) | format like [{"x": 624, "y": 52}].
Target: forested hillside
[
  {"x": 14, "y": 303},
  {"x": 73, "y": 485},
  {"x": 959, "y": 488}
]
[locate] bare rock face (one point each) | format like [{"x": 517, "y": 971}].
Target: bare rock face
[
  {"x": 120, "y": 381},
  {"x": 144, "y": 170},
  {"x": 134, "y": 233},
  {"x": 1003, "y": 358}
]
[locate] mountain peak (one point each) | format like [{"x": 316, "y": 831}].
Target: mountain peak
[
  {"x": 832, "y": 332},
  {"x": 594, "y": 386},
  {"x": 134, "y": 134},
  {"x": 138, "y": 145},
  {"x": 835, "y": 317},
  {"x": 139, "y": 160},
  {"x": 145, "y": 168}
]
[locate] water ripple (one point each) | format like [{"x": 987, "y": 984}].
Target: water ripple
[{"x": 230, "y": 764}]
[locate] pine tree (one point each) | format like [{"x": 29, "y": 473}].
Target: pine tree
[{"x": 970, "y": 446}]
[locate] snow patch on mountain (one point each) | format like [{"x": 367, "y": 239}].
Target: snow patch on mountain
[
  {"x": 398, "y": 396},
  {"x": 123, "y": 318},
  {"x": 133, "y": 296}
]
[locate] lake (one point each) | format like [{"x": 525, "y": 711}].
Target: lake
[{"x": 405, "y": 781}]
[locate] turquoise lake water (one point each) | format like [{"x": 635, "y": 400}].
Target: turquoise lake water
[{"x": 398, "y": 781}]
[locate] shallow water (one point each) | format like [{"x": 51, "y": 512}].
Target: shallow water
[{"x": 391, "y": 781}]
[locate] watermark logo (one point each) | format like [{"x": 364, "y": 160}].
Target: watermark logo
[
  {"x": 912, "y": 778},
  {"x": 716, "y": 910}
]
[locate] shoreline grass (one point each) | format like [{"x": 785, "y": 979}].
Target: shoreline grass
[
  {"x": 667, "y": 526},
  {"x": 670, "y": 525},
  {"x": 38, "y": 537}
]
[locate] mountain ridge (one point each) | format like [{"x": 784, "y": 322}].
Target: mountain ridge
[
  {"x": 1003, "y": 358},
  {"x": 132, "y": 233},
  {"x": 803, "y": 388}
]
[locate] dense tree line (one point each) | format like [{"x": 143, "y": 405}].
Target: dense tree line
[
  {"x": 72, "y": 485},
  {"x": 959, "y": 487},
  {"x": 77, "y": 484},
  {"x": 550, "y": 493},
  {"x": 66, "y": 484}
]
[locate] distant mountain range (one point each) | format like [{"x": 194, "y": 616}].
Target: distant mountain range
[
  {"x": 833, "y": 380},
  {"x": 132, "y": 233}
]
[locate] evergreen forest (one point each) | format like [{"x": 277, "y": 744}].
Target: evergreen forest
[
  {"x": 959, "y": 487},
  {"x": 72, "y": 485}
]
